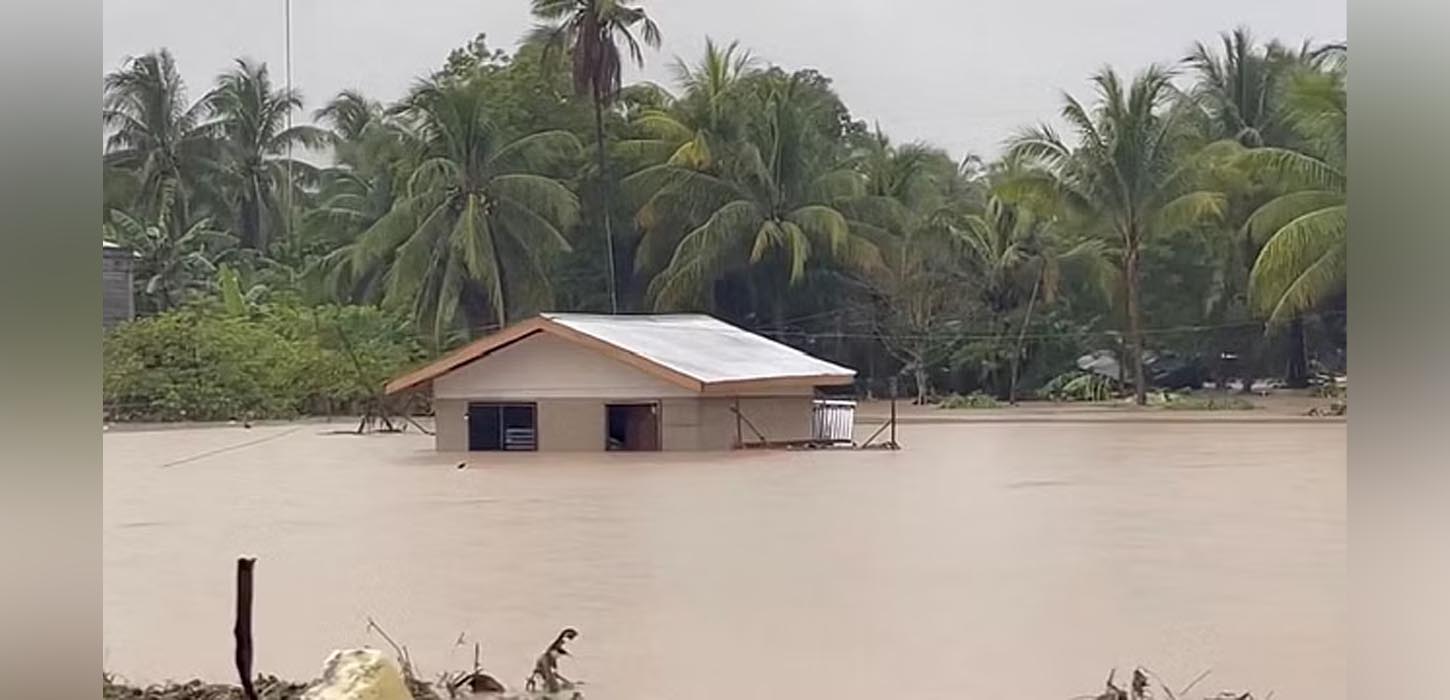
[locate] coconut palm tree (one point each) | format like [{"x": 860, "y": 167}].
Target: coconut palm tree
[
  {"x": 1127, "y": 174},
  {"x": 769, "y": 204},
  {"x": 705, "y": 118},
  {"x": 1241, "y": 89},
  {"x": 258, "y": 173},
  {"x": 372, "y": 161},
  {"x": 478, "y": 217},
  {"x": 1020, "y": 258},
  {"x": 154, "y": 137},
  {"x": 910, "y": 200},
  {"x": 593, "y": 31},
  {"x": 1304, "y": 232}
]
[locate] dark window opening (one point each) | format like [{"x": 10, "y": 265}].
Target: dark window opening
[
  {"x": 633, "y": 427},
  {"x": 501, "y": 426}
]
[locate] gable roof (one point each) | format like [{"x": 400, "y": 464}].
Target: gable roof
[{"x": 695, "y": 351}]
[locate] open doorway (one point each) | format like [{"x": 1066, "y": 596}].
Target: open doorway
[{"x": 633, "y": 427}]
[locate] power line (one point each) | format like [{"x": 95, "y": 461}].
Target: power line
[{"x": 970, "y": 335}]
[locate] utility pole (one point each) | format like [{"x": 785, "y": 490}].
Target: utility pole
[{"x": 287, "y": 61}]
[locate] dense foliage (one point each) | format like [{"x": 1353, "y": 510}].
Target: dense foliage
[
  {"x": 209, "y": 362},
  {"x": 1197, "y": 208}
]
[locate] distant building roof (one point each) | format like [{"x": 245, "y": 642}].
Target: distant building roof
[{"x": 695, "y": 351}]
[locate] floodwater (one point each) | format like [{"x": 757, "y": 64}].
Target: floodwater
[{"x": 1017, "y": 560}]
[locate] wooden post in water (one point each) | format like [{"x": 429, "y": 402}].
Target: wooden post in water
[
  {"x": 739, "y": 436},
  {"x": 893, "y": 413},
  {"x": 242, "y": 630}
]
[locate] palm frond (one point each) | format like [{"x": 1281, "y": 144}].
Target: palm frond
[
  {"x": 1302, "y": 265},
  {"x": 1278, "y": 212}
]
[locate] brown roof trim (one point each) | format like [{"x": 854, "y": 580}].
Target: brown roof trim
[
  {"x": 464, "y": 355},
  {"x": 512, "y": 334}
]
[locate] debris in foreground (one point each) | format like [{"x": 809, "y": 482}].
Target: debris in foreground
[{"x": 1142, "y": 687}]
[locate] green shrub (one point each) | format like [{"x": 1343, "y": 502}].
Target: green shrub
[
  {"x": 1178, "y": 402},
  {"x": 1078, "y": 386},
  {"x": 279, "y": 361},
  {"x": 973, "y": 400}
]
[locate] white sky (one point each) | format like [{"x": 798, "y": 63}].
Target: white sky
[{"x": 961, "y": 74}]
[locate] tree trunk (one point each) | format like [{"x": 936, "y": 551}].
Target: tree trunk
[
  {"x": 1021, "y": 336},
  {"x": 921, "y": 380},
  {"x": 1296, "y": 370},
  {"x": 1135, "y": 333},
  {"x": 604, "y": 199},
  {"x": 252, "y": 225}
]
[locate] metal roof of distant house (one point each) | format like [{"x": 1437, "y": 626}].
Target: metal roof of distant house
[{"x": 698, "y": 352}]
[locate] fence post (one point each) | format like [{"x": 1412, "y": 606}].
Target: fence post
[
  {"x": 242, "y": 630},
  {"x": 893, "y": 412}
]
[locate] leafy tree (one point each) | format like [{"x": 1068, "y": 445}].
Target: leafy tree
[
  {"x": 1128, "y": 175},
  {"x": 156, "y": 142},
  {"x": 1019, "y": 258},
  {"x": 174, "y": 262},
  {"x": 771, "y": 205},
  {"x": 593, "y": 31},
  {"x": 478, "y": 218},
  {"x": 1302, "y": 263},
  {"x": 1241, "y": 90},
  {"x": 920, "y": 290},
  {"x": 259, "y": 175}
]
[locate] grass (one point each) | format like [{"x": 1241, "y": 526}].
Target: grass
[
  {"x": 973, "y": 400},
  {"x": 1179, "y": 402}
]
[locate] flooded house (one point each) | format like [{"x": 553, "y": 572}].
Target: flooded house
[{"x": 584, "y": 382}]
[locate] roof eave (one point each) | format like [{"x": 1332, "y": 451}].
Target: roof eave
[{"x": 736, "y": 386}]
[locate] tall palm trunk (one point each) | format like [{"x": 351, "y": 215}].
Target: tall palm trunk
[
  {"x": 1021, "y": 337},
  {"x": 604, "y": 198},
  {"x": 251, "y": 224},
  {"x": 1135, "y": 331},
  {"x": 1296, "y": 370}
]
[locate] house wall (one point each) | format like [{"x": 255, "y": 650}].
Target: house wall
[
  {"x": 686, "y": 424},
  {"x": 544, "y": 366},
  {"x": 779, "y": 418},
  {"x": 450, "y": 424},
  {"x": 571, "y": 386},
  {"x": 571, "y": 425}
]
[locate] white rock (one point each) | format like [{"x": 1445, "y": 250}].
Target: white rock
[{"x": 359, "y": 674}]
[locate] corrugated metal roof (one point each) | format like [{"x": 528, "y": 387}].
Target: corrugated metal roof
[{"x": 700, "y": 346}]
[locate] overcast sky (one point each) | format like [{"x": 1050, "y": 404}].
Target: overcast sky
[{"x": 961, "y": 74}]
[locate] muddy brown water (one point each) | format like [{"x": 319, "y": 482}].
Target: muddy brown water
[{"x": 984, "y": 560}]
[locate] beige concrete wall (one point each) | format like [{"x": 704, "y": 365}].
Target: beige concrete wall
[
  {"x": 544, "y": 366},
  {"x": 680, "y": 424},
  {"x": 571, "y": 425},
  {"x": 450, "y": 425},
  {"x": 577, "y": 425},
  {"x": 779, "y": 418}
]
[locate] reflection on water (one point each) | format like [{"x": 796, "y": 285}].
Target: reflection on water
[{"x": 1004, "y": 560}]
